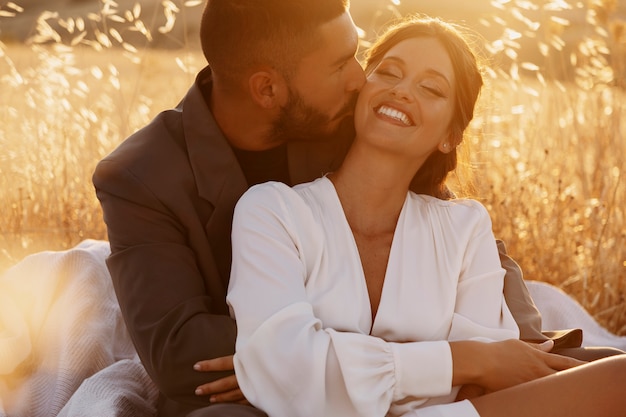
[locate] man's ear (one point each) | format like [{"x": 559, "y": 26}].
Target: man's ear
[{"x": 266, "y": 88}]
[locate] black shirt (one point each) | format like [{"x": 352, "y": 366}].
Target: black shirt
[{"x": 263, "y": 166}]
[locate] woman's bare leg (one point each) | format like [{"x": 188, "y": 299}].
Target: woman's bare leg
[{"x": 595, "y": 389}]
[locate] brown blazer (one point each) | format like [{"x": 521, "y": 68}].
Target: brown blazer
[{"x": 167, "y": 195}]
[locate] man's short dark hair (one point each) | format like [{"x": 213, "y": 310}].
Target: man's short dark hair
[{"x": 237, "y": 35}]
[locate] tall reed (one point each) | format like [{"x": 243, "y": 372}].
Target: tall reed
[{"x": 547, "y": 144}]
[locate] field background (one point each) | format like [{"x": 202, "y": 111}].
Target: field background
[{"x": 547, "y": 146}]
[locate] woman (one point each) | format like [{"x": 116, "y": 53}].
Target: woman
[{"x": 356, "y": 297}]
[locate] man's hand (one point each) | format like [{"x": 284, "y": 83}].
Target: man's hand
[{"x": 221, "y": 390}]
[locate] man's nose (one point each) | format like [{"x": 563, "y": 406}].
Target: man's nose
[{"x": 357, "y": 76}]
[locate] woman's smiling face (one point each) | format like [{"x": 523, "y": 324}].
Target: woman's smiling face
[{"x": 408, "y": 101}]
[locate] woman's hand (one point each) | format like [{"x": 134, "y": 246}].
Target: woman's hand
[
  {"x": 221, "y": 390},
  {"x": 498, "y": 365},
  {"x": 469, "y": 391}
]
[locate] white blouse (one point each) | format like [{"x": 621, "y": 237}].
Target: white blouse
[{"x": 306, "y": 344}]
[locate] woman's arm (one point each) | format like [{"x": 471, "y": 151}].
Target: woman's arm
[
  {"x": 287, "y": 362},
  {"x": 480, "y": 312},
  {"x": 482, "y": 315}
]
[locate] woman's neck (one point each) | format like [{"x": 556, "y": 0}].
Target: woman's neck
[{"x": 372, "y": 189}]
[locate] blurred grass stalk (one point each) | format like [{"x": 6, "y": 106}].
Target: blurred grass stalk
[
  {"x": 69, "y": 96},
  {"x": 550, "y": 149},
  {"x": 548, "y": 143}
]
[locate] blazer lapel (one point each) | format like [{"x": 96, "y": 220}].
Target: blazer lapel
[{"x": 218, "y": 176}]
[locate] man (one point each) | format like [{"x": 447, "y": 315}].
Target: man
[
  {"x": 274, "y": 103},
  {"x": 279, "y": 70}
]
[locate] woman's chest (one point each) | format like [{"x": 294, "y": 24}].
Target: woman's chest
[{"x": 415, "y": 293}]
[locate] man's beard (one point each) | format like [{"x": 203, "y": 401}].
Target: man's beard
[{"x": 300, "y": 122}]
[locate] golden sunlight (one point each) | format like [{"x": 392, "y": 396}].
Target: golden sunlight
[{"x": 547, "y": 143}]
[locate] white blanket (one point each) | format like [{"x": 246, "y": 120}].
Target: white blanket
[
  {"x": 60, "y": 325},
  {"x": 64, "y": 349},
  {"x": 560, "y": 311}
]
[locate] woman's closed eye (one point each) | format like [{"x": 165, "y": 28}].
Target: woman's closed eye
[
  {"x": 388, "y": 72},
  {"x": 433, "y": 90}
]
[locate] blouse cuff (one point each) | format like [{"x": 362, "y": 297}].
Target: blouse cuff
[{"x": 423, "y": 369}]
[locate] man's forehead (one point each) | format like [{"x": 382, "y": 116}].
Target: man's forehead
[{"x": 339, "y": 41}]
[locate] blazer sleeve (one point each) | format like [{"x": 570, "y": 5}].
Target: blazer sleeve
[
  {"x": 161, "y": 292},
  {"x": 518, "y": 298}
]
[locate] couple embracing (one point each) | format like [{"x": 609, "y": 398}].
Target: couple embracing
[{"x": 355, "y": 284}]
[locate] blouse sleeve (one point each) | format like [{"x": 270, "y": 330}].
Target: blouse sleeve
[
  {"x": 481, "y": 312},
  {"x": 287, "y": 363}
]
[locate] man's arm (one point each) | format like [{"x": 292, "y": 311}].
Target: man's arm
[
  {"x": 162, "y": 293},
  {"x": 525, "y": 311},
  {"x": 518, "y": 299}
]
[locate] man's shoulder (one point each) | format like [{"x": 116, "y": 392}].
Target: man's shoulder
[
  {"x": 153, "y": 158},
  {"x": 163, "y": 137}
]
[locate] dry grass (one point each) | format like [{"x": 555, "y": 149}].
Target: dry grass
[
  {"x": 549, "y": 141},
  {"x": 550, "y": 170},
  {"x": 65, "y": 105},
  {"x": 65, "y": 111},
  {"x": 549, "y": 146}
]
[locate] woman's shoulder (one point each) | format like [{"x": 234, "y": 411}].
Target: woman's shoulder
[
  {"x": 468, "y": 203},
  {"x": 265, "y": 188},
  {"x": 267, "y": 193},
  {"x": 279, "y": 195},
  {"x": 458, "y": 207}
]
